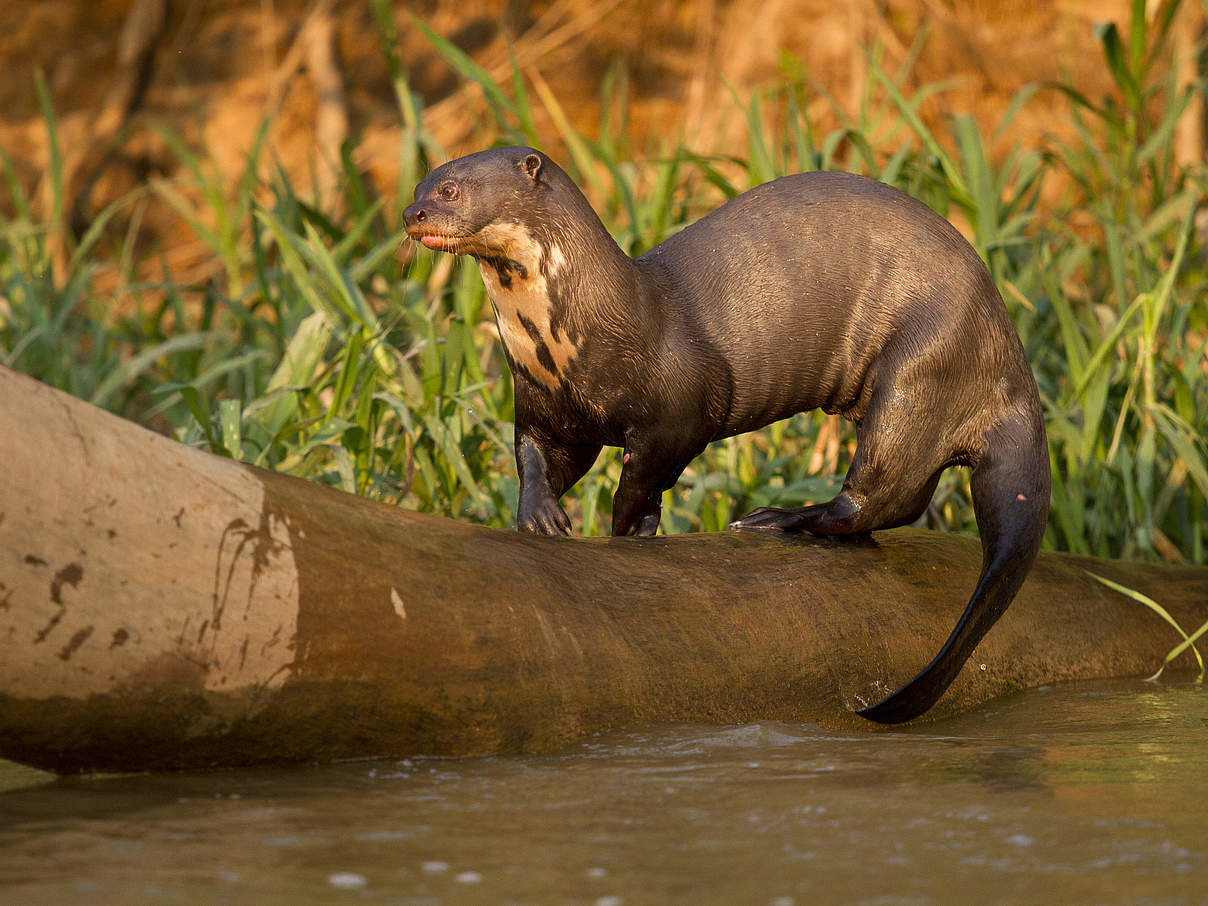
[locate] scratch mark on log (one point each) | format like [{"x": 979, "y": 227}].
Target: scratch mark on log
[
  {"x": 237, "y": 528},
  {"x": 71, "y": 574},
  {"x": 75, "y": 430},
  {"x": 77, "y": 640},
  {"x": 551, "y": 640},
  {"x": 49, "y": 627},
  {"x": 263, "y": 548}
]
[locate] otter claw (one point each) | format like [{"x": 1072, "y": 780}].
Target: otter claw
[
  {"x": 545, "y": 526},
  {"x": 770, "y": 519},
  {"x": 544, "y": 518}
]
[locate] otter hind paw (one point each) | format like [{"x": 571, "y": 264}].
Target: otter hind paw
[{"x": 772, "y": 519}]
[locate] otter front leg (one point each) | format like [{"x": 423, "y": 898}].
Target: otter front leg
[
  {"x": 547, "y": 469},
  {"x": 648, "y": 468}
]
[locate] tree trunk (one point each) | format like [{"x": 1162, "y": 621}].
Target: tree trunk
[{"x": 164, "y": 608}]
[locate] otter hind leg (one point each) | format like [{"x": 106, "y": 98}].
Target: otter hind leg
[
  {"x": 890, "y": 482},
  {"x": 843, "y": 515},
  {"x": 1011, "y": 499}
]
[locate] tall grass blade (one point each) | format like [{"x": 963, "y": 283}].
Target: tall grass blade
[{"x": 1188, "y": 641}]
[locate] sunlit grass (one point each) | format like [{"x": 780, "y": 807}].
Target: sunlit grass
[{"x": 326, "y": 346}]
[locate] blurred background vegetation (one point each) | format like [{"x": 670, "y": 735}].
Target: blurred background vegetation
[{"x": 200, "y": 222}]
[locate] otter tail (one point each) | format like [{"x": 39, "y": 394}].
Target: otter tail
[{"x": 1011, "y": 501}]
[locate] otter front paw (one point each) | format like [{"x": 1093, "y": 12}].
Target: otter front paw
[
  {"x": 773, "y": 519},
  {"x": 543, "y": 515}
]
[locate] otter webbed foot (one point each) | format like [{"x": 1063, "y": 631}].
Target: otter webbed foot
[
  {"x": 774, "y": 519},
  {"x": 836, "y": 517},
  {"x": 641, "y": 525},
  {"x": 648, "y": 526}
]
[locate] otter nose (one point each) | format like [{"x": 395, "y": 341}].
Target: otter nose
[{"x": 414, "y": 215}]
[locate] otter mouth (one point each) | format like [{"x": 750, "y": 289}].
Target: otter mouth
[
  {"x": 440, "y": 242},
  {"x": 490, "y": 240}
]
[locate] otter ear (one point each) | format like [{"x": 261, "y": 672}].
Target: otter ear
[{"x": 532, "y": 166}]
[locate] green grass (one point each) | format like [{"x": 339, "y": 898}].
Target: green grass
[
  {"x": 316, "y": 350},
  {"x": 1188, "y": 640}
]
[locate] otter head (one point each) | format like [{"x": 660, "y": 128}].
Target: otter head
[
  {"x": 479, "y": 205},
  {"x": 507, "y": 207}
]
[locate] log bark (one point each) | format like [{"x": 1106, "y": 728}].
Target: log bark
[{"x": 162, "y": 608}]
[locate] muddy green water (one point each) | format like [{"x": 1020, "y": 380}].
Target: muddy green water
[{"x": 1077, "y": 794}]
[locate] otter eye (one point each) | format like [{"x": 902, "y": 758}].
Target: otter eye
[{"x": 448, "y": 191}]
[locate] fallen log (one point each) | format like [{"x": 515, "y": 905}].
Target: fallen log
[{"x": 162, "y": 608}]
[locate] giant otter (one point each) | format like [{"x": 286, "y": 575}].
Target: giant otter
[{"x": 815, "y": 291}]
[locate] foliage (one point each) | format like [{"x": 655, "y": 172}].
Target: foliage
[
  {"x": 1188, "y": 640},
  {"x": 321, "y": 351}
]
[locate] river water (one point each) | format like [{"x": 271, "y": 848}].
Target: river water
[{"x": 1087, "y": 793}]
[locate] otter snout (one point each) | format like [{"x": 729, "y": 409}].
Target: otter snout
[
  {"x": 425, "y": 224},
  {"x": 414, "y": 219}
]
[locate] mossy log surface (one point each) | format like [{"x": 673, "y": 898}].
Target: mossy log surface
[{"x": 162, "y": 608}]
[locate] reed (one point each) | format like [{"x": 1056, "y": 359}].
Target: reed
[{"x": 319, "y": 350}]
